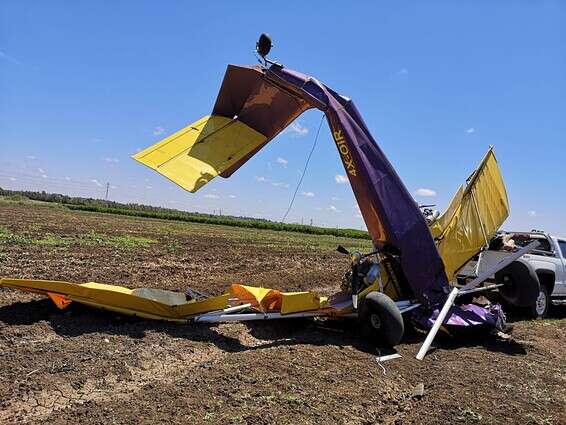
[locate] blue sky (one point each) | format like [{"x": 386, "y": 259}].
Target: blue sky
[{"x": 84, "y": 85}]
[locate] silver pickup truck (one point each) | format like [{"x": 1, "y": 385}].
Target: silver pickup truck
[
  {"x": 549, "y": 264},
  {"x": 546, "y": 264}
]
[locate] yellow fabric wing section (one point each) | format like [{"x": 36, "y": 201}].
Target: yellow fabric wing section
[
  {"x": 264, "y": 299},
  {"x": 440, "y": 225},
  {"x": 269, "y": 300},
  {"x": 199, "y": 152},
  {"x": 142, "y": 302},
  {"x": 473, "y": 217},
  {"x": 294, "y": 302}
]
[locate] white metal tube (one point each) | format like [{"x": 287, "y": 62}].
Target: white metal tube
[
  {"x": 437, "y": 323},
  {"x": 237, "y": 308},
  {"x": 466, "y": 289},
  {"x": 228, "y": 310},
  {"x": 212, "y": 318},
  {"x": 483, "y": 288},
  {"x": 408, "y": 308}
]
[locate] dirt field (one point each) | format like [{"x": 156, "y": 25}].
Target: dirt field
[{"x": 85, "y": 366}]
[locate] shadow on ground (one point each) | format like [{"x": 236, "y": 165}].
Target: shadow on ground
[{"x": 79, "y": 320}]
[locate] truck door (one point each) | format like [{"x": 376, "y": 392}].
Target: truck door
[{"x": 560, "y": 285}]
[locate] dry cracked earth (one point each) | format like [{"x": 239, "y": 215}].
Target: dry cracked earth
[{"x": 86, "y": 366}]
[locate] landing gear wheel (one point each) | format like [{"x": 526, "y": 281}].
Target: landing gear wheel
[
  {"x": 381, "y": 318},
  {"x": 540, "y": 307},
  {"x": 521, "y": 285}
]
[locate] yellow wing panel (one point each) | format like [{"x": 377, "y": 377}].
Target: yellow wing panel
[
  {"x": 294, "y": 302},
  {"x": 440, "y": 225},
  {"x": 199, "y": 152},
  {"x": 473, "y": 217},
  {"x": 117, "y": 298}
]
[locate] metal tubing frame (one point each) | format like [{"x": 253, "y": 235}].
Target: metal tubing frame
[{"x": 232, "y": 314}]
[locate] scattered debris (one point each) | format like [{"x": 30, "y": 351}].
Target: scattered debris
[
  {"x": 381, "y": 359},
  {"x": 32, "y": 372},
  {"x": 418, "y": 391},
  {"x": 388, "y": 357}
]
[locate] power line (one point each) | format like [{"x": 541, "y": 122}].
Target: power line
[{"x": 304, "y": 171}]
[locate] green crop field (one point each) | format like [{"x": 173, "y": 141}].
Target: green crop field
[{"x": 108, "y": 207}]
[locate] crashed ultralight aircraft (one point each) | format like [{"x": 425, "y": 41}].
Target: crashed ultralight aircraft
[{"x": 409, "y": 270}]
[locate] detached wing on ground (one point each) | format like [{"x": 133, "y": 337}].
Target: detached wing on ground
[
  {"x": 159, "y": 304},
  {"x": 473, "y": 217},
  {"x": 148, "y": 303}
]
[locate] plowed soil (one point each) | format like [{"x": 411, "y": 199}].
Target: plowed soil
[{"x": 86, "y": 366}]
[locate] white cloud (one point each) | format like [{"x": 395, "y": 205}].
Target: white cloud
[
  {"x": 428, "y": 193},
  {"x": 31, "y": 157},
  {"x": 280, "y": 184},
  {"x": 471, "y": 130},
  {"x": 333, "y": 209},
  {"x": 41, "y": 171},
  {"x": 157, "y": 131},
  {"x": 111, "y": 160},
  {"x": 340, "y": 179},
  {"x": 12, "y": 179},
  {"x": 403, "y": 71},
  {"x": 335, "y": 198},
  {"x": 9, "y": 58},
  {"x": 308, "y": 194},
  {"x": 297, "y": 129},
  {"x": 211, "y": 196},
  {"x": 149, "y": 187},
  {"x": 232, "y": 196},
  {"x": 282, "y": 161},
  {"x": 532, "y": 213},
  {"x": 260, "y": 178},
  {"x": 113, "y": 187},
  {"x": 96, "y": 182},
  {"x": 44, "y": 176},
  {"x": 68, "y": 178}
]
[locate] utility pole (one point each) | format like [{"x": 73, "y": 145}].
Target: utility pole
[{"x": 107, "y": 187}]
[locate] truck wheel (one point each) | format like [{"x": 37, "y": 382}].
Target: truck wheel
[
  {"x": 521, "y": 284},
  {"x": 541, "y": 305},
  {"x": 381, "y": 317}
]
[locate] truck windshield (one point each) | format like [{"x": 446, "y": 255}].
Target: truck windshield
[{"x": 523, "y": 240}]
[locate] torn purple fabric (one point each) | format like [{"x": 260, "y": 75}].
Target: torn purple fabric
[
  {"x": 464, "y": 316},
  {"x": 390, "y": 212}
]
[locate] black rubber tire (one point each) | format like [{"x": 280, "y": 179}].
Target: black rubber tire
[
  {"x": 537, "y": 312},
  {"x": 522, "y": 286},
  {"x": 391, "y": 327}
]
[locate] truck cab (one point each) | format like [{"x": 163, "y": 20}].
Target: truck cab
[{"x": 548, "y": 262}]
